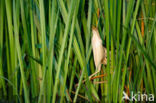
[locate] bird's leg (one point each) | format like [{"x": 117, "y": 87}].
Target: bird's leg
[
  {"x": 94, "y": 73},
  {"x": 98, "y": 70}
]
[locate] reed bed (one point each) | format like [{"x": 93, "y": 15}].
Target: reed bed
[{"x": 46, "y": 53}]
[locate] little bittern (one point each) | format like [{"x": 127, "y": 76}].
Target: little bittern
[{"x": 99, "y": 52}]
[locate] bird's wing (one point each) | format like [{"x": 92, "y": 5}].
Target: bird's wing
[
  {"x": 98, "y": 55},
  {"x": 104, "y": 60}
]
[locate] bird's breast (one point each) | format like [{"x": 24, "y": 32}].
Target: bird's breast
[{"x": 96, "y": 41}]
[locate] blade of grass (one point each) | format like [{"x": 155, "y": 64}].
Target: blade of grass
[
  {"x": 129, "y": 44},
  {"x": 69, "y": 48},
  {"x": 83, "y": 70},
  {"x": 35, "y": 83},
  {"x": 83, "y": 65},
  {"x": 11, "y": 40},
  {"x": 53, "y": 26},
  {"x": 129, "y": 13},
  {"x": 12, "y": 86},
  {"x": 73, "y": 75},
  {"x": 89, "y": 23},
  {"x": 24, "y": 25},
  {"x": 107, "y": 45},
  {"x": 2, "y": 82},
  {"x": 71, "y": 10},
  {"x": 143, "y": 52},
  {"x": 118, "y": 42},
  {"x": 63, "y": 11},
  {"x": 8, "y": 61},
  {"x": 43, "y": 35},
  {"x": 16, "y": 30}
]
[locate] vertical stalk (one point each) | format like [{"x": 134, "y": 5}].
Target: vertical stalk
[
  {"x": 69, "y": 49},
  {"x": 107, "y": 45},
  {"x": 129, "y": 14},
  {"x": 71, "y": 10},
  {"x": 2, "y": 82},
  {"x": 11, "y": 42},
  {"x": 34, "y": 83},
  {"x": 16, "y": 30},
  {"x": 43, "y": 35},
  {"x": 128, "y": 49},
  {"x": 53, "y": 25}
]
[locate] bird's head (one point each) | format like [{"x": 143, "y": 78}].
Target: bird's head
[
  {"x": 96, "y": 37},
  {"x": 95, "y": 31}
]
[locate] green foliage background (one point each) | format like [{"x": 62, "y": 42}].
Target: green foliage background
[{"x": 46, "y": 52}]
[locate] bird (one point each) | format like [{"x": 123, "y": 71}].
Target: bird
[{"x": 99, "y": 51}]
